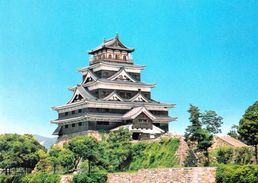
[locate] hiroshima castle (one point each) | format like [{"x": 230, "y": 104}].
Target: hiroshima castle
[{"x": 112, "y": 95}]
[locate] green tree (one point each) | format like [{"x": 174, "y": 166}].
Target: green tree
[
  {"x": 233, "y": 132},
  {"x": 85, "y": 148},
  {"x": 66, "y": 158},
  {"x": 199, "y": 134},
  {"x": 19, "y": 151},
  {"x": 204, "y": 143},
  {"x": 191, "y": 132},
  {"x": 212, "y": 121},
  {"x": 119, "y": 149},
  {"x": 248, "y": 127},
  {"x": 54, "y": 156}
]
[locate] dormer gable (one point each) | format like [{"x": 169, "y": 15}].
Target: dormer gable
[
  {"x": 139, "y": 98},
  {"x": 80, "y": 94},
  {"x": 89, "y": 77},
  {"x": 113, "y": 97},
  {"x": 122, "y": 75},
  {"x": 134, "y": 112}
]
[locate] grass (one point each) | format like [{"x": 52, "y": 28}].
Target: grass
[{"x": 155, "y": 154}]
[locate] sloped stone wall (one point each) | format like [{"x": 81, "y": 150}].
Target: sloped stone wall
[{"x": 166, "y": 175}]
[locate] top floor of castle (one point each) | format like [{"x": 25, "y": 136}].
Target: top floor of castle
[{"x": 112, "y": 50}]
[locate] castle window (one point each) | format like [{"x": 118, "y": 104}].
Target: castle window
[
  {"x": 66, "y": 113},
  {"x": 73, "y": 112},
  {"x": 116, "y": 56},
  {"x": 73, "y": 125},
  {"x": 109, "y": 56},
  {"x": 66, "y": 126},
  {"x": 80, "y": 110},
  {"x": 124, "y": 57},
  {"x": 80, "y": 124}
]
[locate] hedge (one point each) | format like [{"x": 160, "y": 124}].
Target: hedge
[
  {"x": 41, "y": 178},
  {"x": 237, "y": 174}
]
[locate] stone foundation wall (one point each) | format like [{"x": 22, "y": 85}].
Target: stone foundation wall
[{"x": 166, "y": 175}]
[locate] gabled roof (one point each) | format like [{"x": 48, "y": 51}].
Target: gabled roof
[
  {"x": 113, "y": 43},
  {"x": 138, "y": 98},
  {"x": 80, "y": 91},
  {"x": 232, "y": 141},
  {"x": 113, "y": 97},
  {"x": 121, "y": 75},
  {"x": 133, "y": 113},
  {"x": 154, "y": 130},
  {"x": 90, "y": 75}
]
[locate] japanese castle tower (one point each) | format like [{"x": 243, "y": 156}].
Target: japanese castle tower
[{"x": 112, "y": 95}]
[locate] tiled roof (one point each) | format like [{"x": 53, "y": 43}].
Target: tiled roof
[
  {"x": 83, "y": 92},
  {"x": 123, "y": 73},
  {"x": 113, "y": 43},
  {"x": 137, "y": 96},
  {"x": 232, "y": 141},
  {"x": 113, "y": 95},
  {"x": 133, "y": 113}
]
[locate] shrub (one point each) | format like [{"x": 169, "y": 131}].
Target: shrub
[
  {"x": 90, "y": 178},
  {"x": 243, "y": 155},
  {"x": 237, "y": 174},
  {"x": 225, "y": 155},
  {"x": 41, "y": 178},
  {"x": 10, "y": 178}
]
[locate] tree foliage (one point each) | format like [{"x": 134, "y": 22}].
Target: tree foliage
[
  {"x": 212, "y": 121},
  {"x": 199, "y": 134},
  {"x": 19, "y": 151},
  {"x": 85, "y": 148},
  {"x": 118, "y": 149},
  {"x": 237, "y": 174},
  {"x": 248, "y": 127},
  {"x": 191, "y": 132},
  {"x": 233, "y": 132}
]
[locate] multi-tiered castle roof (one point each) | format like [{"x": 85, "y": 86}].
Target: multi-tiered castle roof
[{"x": 112, "y": 95}]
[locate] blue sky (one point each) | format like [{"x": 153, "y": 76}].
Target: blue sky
[{"x": 199, "y": 52}]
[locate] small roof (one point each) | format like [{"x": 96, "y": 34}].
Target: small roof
[
  {"x": 133, "y": 113},
  {"x": 138, "y": 98},
  {"x": 232, "y": 141},
  {"x": 83, "y": 92},
  {"x": 122, "y": 73},
  {"x": 154, "y": 130},
  {"x": 113, "y": 43},
  {"x": 113, "y": 96},
  {"x": 91, "y": 75}
]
